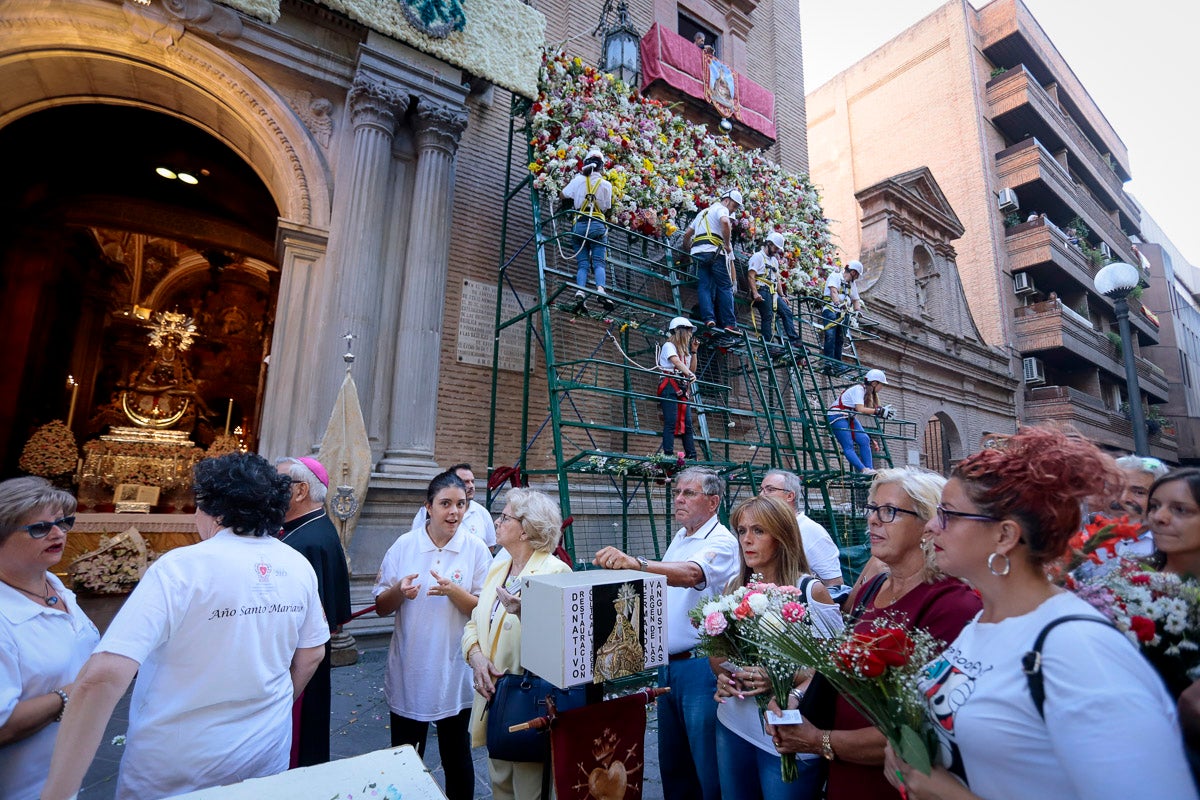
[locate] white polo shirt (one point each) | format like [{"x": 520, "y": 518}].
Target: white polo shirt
[
  {"x": 824, "y": 558},
  {"x": 41, "y": 649},
  {"x": 214, "y": 627},
  {"x": 715, "y": 550},
  {"x": 477, "y": 521},
  {"x": 427, "y": 678}
]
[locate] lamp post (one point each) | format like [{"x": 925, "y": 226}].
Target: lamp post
[
  {"x": 619, "y": 51},
  {"x": 1117, "y": 280}
]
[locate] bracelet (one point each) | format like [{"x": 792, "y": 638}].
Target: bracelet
[
  {"x": 826, "y": 746},
  {"x": 797, "y": 693},
  {"x": 66, "y": 698}
]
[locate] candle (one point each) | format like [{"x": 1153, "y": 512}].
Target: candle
[
  {"x": 228, "y": 416},
  {"x": 74, "y": 394}
]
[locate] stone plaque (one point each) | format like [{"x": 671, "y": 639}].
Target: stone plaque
[{"x": 477, "y": 327}]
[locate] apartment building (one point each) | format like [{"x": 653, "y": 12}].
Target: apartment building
[{"x": 1035, "y": 172}]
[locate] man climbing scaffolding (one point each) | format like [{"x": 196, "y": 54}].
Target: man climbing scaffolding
[{"x": 591, "y": 195}]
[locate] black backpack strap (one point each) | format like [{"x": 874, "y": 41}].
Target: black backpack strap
[{"x": 1031, "y": 662}]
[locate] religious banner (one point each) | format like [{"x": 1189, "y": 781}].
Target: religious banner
[
  {"x": 598, "y": 751},
  {"x": 720, "y": 88}
]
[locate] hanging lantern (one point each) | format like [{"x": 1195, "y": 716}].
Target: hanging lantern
[{"x": 619, "y": 53}]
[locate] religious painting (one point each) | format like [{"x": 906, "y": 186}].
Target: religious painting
[
  {"x": 619, "y": 641},
  {"x": 721, "y": 87}
]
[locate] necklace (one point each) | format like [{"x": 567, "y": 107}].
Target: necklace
[
  {"x": 50, "y": 598},
  {"x": 894, "y": 584}
]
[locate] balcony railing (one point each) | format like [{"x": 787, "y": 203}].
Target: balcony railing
[{"x": 1065, "y": 405}]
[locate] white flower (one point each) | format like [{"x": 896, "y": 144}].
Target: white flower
[
  {"x": 711, "y": 607},
  {"x": 759, "y": 603}
]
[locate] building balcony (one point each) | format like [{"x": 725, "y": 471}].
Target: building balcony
[
  {"x": 1061, "y": 337},
  {"x": 1044, "y": 250},
  {"x": 1044, "y": 185},
  {"x": 1060, "y": 406},
  {"x": 1020, "y": 107}
]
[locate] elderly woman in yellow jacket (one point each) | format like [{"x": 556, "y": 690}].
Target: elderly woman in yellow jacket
[{"x": 528, "y": 529}]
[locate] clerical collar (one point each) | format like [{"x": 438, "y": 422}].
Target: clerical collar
[{"x": 303, "y": 519}]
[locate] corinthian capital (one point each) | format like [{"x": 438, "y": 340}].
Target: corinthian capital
[
  {"x": 373, "y": 103},
  {"x": 438, "y": 125}
]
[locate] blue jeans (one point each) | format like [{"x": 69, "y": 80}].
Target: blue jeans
[
  {"x": 786, "y": 322},
  {"x": 835, "y": 337},
  {"x": 713, "y": 283},
  {"x": 849, "y": 434},
  {"x": 687, "y": 731},
  {"x": 774, "y": 308},
  {"x": 590, "y": 238},
  {"x": 670, "y": 405},
  {"x": 750, "y": 773}
]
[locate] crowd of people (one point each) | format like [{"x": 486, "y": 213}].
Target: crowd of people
[{"x": 224, "y": 637}]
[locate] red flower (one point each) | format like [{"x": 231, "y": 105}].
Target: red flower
[
  {"x": 743, "y": 610},
  {"x": 1140, "y": 579},
  {"x": 1143, "y": 627}
]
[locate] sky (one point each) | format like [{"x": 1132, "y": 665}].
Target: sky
[{"x": 1135, "y": 59}]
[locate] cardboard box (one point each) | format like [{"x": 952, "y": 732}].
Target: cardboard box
[{"x": 592, "y": 626}]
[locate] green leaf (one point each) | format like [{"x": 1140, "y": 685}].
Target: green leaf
[{"x": 913, "y": 749}]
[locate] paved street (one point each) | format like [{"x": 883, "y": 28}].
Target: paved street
[{"x": 359, "y": 725}]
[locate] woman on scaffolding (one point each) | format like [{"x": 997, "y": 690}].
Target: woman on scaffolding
[
  {"x": 861, "y": 398},
  {"x": 677, "y": 363},
  {"x": 591, "y": 195}
]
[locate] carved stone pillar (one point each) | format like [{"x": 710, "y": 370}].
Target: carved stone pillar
[
  {"x": 357, "y": 237},
  {"x": 409, "y": 452}
]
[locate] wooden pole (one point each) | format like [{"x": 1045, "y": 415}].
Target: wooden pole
[{"x": 228, "y": 416}]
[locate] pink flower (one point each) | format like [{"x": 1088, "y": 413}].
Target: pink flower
[
  {"x": 715, "y": 624},
  {"x": 793, "y": 612}
]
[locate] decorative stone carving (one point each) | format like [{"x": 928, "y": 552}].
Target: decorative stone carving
[
  {"x": 438, "y": 125},
  {"x": 207, "y": 17},
  {"x": 151, "y": 26},
  {"x": 316, "y": 113},
  {"x": 375, "y": 104}
]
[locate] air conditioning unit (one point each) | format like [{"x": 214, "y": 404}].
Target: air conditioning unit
[
  {"x": 1035, "y": 370},
  {"x": 1007, "y": 199},
  {"x": 1106, "y": 250},
  {"x": 1023, "y": 284}
]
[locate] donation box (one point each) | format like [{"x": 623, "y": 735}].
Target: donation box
[{"x": 593, "y": 626}]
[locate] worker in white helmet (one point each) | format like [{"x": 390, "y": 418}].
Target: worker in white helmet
[
  {"x": 677, "y": 364},
  {"x": 861, "y": 398},
  {"x": 841, "y": 297},
  {"x": 709, "y": 241},
  {"x": 591, "y": 194},
  {"x": 767, "y": 290}
]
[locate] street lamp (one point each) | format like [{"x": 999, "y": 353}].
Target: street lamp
[
  {"x": 620, "y": 48},
  {"x": 1117, "y": 280}
]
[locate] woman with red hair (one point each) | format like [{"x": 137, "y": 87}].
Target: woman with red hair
[{"x": 1106, "y": 727}]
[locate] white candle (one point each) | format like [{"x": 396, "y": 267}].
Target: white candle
[
  {"x": 74, "y": 394},
  {"x": 228, "y": 416}
]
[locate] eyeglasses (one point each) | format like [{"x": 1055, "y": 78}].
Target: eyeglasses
[
  {"x": 40, "y": 530},
  {"x": 505, "y": 518},
  {"x": 943, "y": 517},
  {"x": 886, "y": 514},
  {"x": 690, "y": 493},
  {"x": 772, "y": 490}
]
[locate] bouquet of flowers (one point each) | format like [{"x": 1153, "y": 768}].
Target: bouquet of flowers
[
  {"x": 1158, "y": 611},
  {"x": 115, "y": 566},
  {"x": 1099, "y": 541},
  {"x": 652, "y": 465},
  {"x": 876, "y": 670},
  {"x": 739, "y": 626},
  {"x": 51, "y": 452}
]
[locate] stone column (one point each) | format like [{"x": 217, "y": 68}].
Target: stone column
[
  {"x": 437, "y": 128},
  {"x": 357, "y": 239}
]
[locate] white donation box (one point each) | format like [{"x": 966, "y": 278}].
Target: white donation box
[{"x": 593, "y": 626}]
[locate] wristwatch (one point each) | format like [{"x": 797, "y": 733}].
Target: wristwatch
[
  {"x": 643, "y": 563},
  {"x": 826, "y": 746}
]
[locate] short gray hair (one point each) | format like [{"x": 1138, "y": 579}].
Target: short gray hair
[
  {"x": 20, "y": 497},
  {"x": 710, "y": 482},
  {"x": 924, "y": 489},
  {"x": 299, "y": 472},
  {"x": 1150, "y": 466},
  {"x": 539, "y": 516},
  {"x": 791, "y": 483}
]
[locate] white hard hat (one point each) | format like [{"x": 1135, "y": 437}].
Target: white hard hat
[
  {"x": 595, "y": 153},
  {"x": 734, "y": 195},
  {"x": 680, "y": 322},
  {"x": 856, "y": 266},
  {"x": 776, "y": 238},
  {"x": 876, "y": 375}
]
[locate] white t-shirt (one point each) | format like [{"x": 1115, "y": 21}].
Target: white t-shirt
[
  {"x": 664, "y": 357},
  {"x": 476, "y": 521},
  {"x": 855, "y": 395},
  {"x": 837, "y": 281},
  {"x": 742, "y": 715},
  {"x": 713, "y": 214},
  {"x": 427, "y": 678},
  {"x": 765, "y": 268},
  {"x": 716, "y": 551},
  {"x": 1110, "y": 729},
  {"x": 577, "y": 190},
  {"x": 214, "y": 627},
  {"x": 824, "y": 558},
  {"x": 41, "y": 649}
]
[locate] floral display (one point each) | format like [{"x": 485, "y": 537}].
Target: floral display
[
  {"x": 664, "y": 169},
  {"x": 1099, "y": 542},
  {"x": 167, "y": 466},
  {"x": 223, "y": 444},
  {"x": 739, "y": 625},
  {"x": 51, "y": 451},
  {"x": 115, "y": 566},
  {"x": 1158, "y": 611},
  {"x": 877, "y": 670},
  {"x": 652, "y": 465}
]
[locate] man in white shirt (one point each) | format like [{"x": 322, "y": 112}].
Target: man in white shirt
[
  {"x": 702, "y": 559},
  {"x": 841, "y": 296},
  {"x": 709, "y": 241},
  {"x": 824, "y": 558},
  {"x": 591, "y": 195},
  {"x": 767, "y": 290},
  {"x": 477, "y": 520}
]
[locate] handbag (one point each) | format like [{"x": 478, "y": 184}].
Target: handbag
[{"x": 518, "y": 699}]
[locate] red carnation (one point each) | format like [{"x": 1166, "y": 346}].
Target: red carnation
[
  {"x": 1140, "y": 578},
  {"x": 1144, "y": 628}
]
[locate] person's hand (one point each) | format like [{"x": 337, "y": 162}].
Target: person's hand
[
  {"x": 912, "y": 784},
  {"x": 510, "y": 601},
  {"x": 484, "y": 673},
  {"x": 752, "y": 681},
  {"x": 727, "y": 687},
  {"x": 612, "y": 558},
  {"x": 408, "y": 588},
  {"x": 442, "y": 587},
  {"x": 802, "y": 738},
  {"x": 756, "y": 297}
]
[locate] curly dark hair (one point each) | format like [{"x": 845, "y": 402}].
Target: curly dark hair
[
  {"x": 243, "y": 492},
  {"x": 1038, "y": 477}
]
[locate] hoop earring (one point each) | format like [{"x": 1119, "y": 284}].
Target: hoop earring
[{"x": 992, "y": 568}]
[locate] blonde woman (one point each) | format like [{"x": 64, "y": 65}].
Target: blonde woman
[{"x": 677, "y": 363}]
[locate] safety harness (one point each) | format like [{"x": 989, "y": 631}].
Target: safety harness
[
  {"x": 589, "y": 208},
  {"x": 839, "y": 410},
  {"x": 708, "y": 237}
]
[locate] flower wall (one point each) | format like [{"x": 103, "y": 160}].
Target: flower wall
[{"x": 664, "y": 169}]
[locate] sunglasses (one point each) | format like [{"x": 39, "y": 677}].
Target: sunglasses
[{"x": 40, "y": 530}]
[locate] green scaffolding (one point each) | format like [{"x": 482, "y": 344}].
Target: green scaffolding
[{"x": 589, "y": 412}]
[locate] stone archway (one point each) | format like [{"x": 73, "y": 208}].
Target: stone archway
[{"x": 942, "y": 444}]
